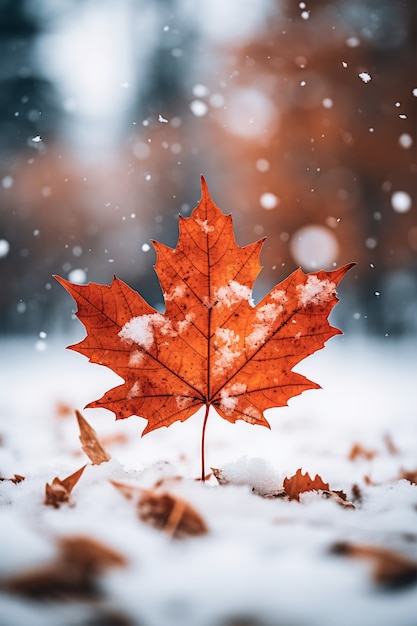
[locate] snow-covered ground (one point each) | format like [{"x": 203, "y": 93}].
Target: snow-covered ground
[{"x": 264, "y": 561}]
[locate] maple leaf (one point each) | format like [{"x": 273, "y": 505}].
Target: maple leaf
[
  {"x": 212, "y": 346},
  {"x": 300, "y": 483}
]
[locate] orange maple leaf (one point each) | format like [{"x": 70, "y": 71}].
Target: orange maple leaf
[
  {"x": 300, "y": 483},
  {"x": 212, "y": 346}
]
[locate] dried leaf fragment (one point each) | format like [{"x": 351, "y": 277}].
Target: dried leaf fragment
[
  {"x": 165, "y": 511},
  {"x": 358, "y": 451},
  {"x": 59, "y": 491},
  {"x": 300, "y": 483},
  {"x": 73, "y": 574},
  {"x": 389, "y": 569},
  {"x": 410, "y": 476},
  {"x": 171, "y": 514},
  {"x": 17, "y": 478},
  {"x": 90, "y": 443}
]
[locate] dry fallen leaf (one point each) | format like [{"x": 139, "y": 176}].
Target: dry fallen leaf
[
  {"x": 164, "y": 511},
  {"x": 59, "y": 491},
  {"x": 389, "y": 569},
  {"x": 17, "y": 478},
  {"x": 300, "y": 483},
  {"x": 73, "y": 574},
  {"x": 410, "y": 476},
  {"x": 211, "y": 346},
  {"x": 90, "y": 442},
  {"x": 357, "y": 451}
]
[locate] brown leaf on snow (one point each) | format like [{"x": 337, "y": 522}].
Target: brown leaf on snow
[
  {"x": 90, "y": 442},
  {"x": 73, "y": 574},
  {"x": 59, "y": 491},
  {"x": 391, "y": 447},
  {"x": 358, "y": 451},
  {"x": 164, "y": 511},
  {"x": 219, "y": 476},
  {"x": 300, "y": 483},
  {"x": 410, "y": 476},
  {"x": 17, "y": 478},
  {"x": 171, "y": 514},
  {"x": 339, "y": 497},
  {"x": 389, "y": 569}
]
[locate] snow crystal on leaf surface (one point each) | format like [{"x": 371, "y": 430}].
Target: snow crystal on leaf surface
[
  {"x": 315, "y": 291},
  {"x": 134, "y": 391},
  {"x": 232, "y": 293},
  {"x": 175, "y": 293},
  {"x": 136, "y": 358},
  {"x": 205, "y": 227},
  {"x": 227, "y": 344},
  {"x": 141, "y": 329},
  {"x": 228, "y": 397}
]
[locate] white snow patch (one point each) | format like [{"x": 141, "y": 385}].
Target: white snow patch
[
  {"x": 232, "y": 293},
  {"x": 175, "y": 292},
  {"x": 136, "y": 358},
  {"x": 227, "y": 343},
  {"x": 134, "y": 391},
  {"x": 228, "y": 397},
  {"x": 141, "y": 329},
  {"x": 183, "y": 402},
  {"x": 205, "y": 227},
  {"x": 315, "y": 291},
  {"x": 183, "y": 324}
]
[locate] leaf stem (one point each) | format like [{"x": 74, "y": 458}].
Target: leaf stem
[{"x": 203, "y": 438}]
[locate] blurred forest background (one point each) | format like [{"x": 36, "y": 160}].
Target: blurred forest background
[{"x": 301, "y": 116}]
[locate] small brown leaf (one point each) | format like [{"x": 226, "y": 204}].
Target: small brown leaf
[
  {"x": 391, "y": 447},
  {"x": 410, "y": 476},
  {"x": 165, "y": 511},
  {"x": 358, "y": 451},
  {"x": 389, "y": 569},
  {"x": 17, "y": 478},
  {"x": 219, "y": 476},
  {"x": 171, "y": 514},
  {"x": 72, "y": 574},
  {"x": 90, "y": 442},
  {"x": 339, "y": 497},
  {"x": 300, "y": 483},
  {"x": 59, "y": 491}
]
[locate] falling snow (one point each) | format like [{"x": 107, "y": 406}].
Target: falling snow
[
  {"x": 401, "y": 201},
  {"x": 365, "y": 77}
]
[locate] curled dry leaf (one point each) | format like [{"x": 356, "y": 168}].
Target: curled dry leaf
[
  {"x": 164, "y": 511},
  {"x": 73, "y": 574},
  {"x": 212, "y": 346},
  {"x": 389, "y": 569},
  {"x": 90, "y": 442},
  {"x": 59, "y": 491}
]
